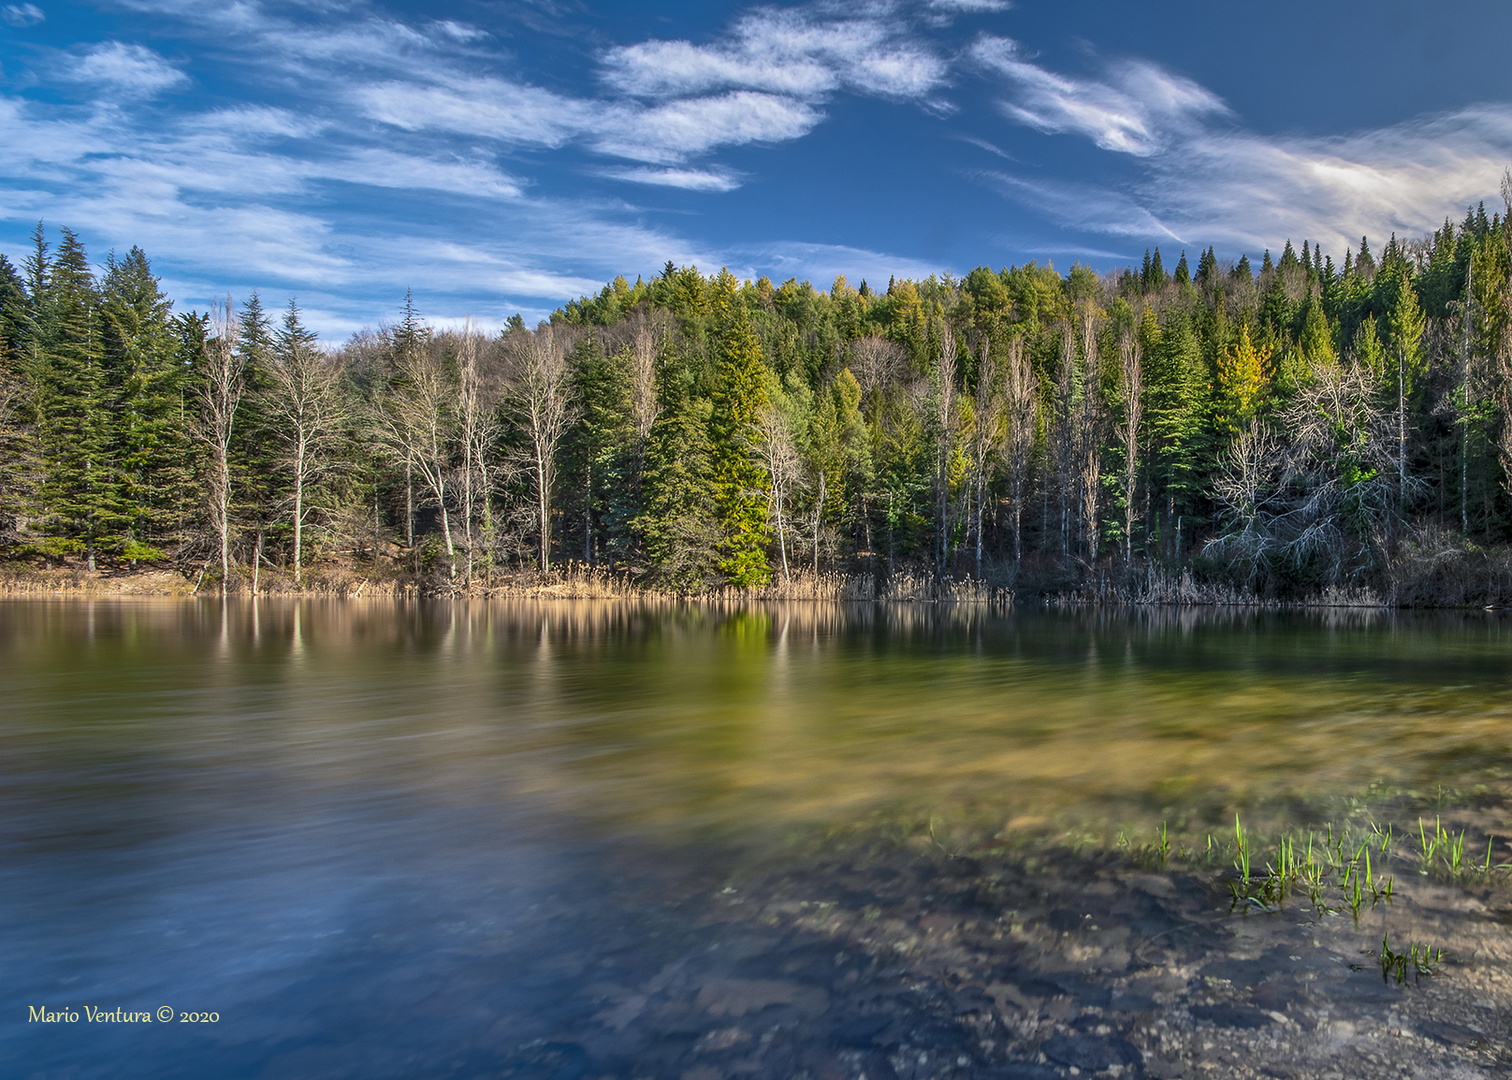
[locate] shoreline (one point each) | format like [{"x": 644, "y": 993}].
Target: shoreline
[{"x": 579, "y": 583}]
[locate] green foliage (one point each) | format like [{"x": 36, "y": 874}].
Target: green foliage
[
  {"x": 101, "y": 388},
  {"x": 679, "y": 525},
  {"x": 740, "y": 485},
  {"x": 154, "y": 451}
]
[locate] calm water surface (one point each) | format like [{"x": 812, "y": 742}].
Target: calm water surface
[{"x": 366, "y": 835}]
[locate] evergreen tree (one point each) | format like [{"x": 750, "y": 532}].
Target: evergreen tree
[
  {"x": 1176, "y": 412},
  {"x": 258, "y": 481},
  {"x": 149, "y": 392},
  {"x": 739, "y": 483},
  {"x": 1207, "y": 267},
  {"x": 84, "y": 503},
  {"x": 17, "y": 397},
  {"x": 679, "y": 525}
]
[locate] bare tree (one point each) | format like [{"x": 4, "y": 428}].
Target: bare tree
[
  {"x": 644, "y": 407},
  {"x": 1131, "y": 389},
  {"x": 943, "y": 387},
  {"x": 988, "y": 410},
  {"x": 1250, "y": 487},
  {"x": 777, "y": 446},
  {"x": 220, "y": 393},
  {"x": 1331, "y": 491},
  {"x": 477, "y": 429},
  {"x": 1019, "y": 407},
  {"x": 539, "y": 397},
  {"x": 876, "y": 362},
  {"x": 1088, "y": 420},
  {"x": 306, "y": 404},
  {"x": 417, "y": 424}
]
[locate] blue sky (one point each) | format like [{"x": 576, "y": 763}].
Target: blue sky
[{"x": 501, "y": 156}]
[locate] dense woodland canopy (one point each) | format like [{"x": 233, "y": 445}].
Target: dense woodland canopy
[{"x": 1279, "y": 428}]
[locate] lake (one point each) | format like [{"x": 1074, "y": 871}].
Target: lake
[{"x": 583, "y": 839}]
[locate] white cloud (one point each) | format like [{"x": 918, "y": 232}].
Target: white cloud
[
  {"x": 457, "y": 175},
  {"x": 254, "y": 121},
  {"x": 799, "y": 52},
  {"x": 489, "y": 107},
  {"x": 1205, "y": 181},
  {"x": 1083, "y": 206},
  {"x": 663, "y": 68},
  {"x": 673, "y": 132},
  {"x": 130, "y": 70},
  {"x": 22, "y": 14},
  {"x": 1256, "y": 191},
  {"x": 688, "y": 179},
  {"x": 1138, "y": 111},
  {"x": 969, "y": 7}
]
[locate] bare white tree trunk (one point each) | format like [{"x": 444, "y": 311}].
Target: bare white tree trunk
[
  {"x": 478, "y": 427},
  {"x": 986, "y": 437},
  {"x": 945, "y": 416},
  {"x": 1131, "y": 389},
  {"x": 539, "y": 395},
  {"x": 1090, "y": 420},
  {"x": 1020, "y": 405},
  {"x": 779, "y": 454},
  {"x": 305, "y": 400},
  {"x": 418, "y": 426}
]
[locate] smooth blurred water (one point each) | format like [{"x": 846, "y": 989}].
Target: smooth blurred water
[{"x": 365, "y": 833}]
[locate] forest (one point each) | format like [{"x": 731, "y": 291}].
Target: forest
[{"x": 1272, "y": 431}]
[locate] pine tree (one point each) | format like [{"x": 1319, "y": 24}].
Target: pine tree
[
  {"x": 17, "y": 397},
  {"x": 679, "y": 524},
  {"x": 1407, "y": 325},
  {"x": 83, "y": 499},
  {"x": 149, "y": 392},
  {"x": 258, "y": 481},
  {"x": 1207, "y": 266},
  {"x": 1176, "y": 412},
  {"x": 739, "y": 482},
  {"x": 1243, "y": 379}
]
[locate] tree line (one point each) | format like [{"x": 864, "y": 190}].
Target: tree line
[{"x": 1283, "y": 428}]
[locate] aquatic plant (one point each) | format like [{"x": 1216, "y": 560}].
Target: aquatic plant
[{"x": 1419, "y": 960}]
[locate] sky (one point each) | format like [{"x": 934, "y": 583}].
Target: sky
[{"x": 503, "y": 156}]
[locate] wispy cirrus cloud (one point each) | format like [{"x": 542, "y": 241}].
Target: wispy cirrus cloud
[
  {"x": 22, "y": 14},
  {"x": 687, "y": 179},
  {"x": 691, "y": 127},
  {"x": 969, "y": 7},
  {"x": 483, "y": 106},
  {"x": 804, "y": 52},
  {"x": 1203, "y": 178},
  {"x": 131, "y": 70},
  {"x": 1255, "y": 190},
  {"x": 1138, "y": 109}
]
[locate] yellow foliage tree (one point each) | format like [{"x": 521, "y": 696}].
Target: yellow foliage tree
[{"x": 1242, "y": 382}]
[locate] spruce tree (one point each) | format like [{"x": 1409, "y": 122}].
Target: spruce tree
[
  {"x": 149, "y": 390},
  {"x": 83, "y": 500},
  {"x": 678, "y": 523},
  {"x": 740, "y": 484},
  {"x": 258, "y": 482},
  {"x": 17, "y": 449}
]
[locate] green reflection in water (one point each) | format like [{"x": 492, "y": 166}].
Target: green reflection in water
[{"x": 695, "y": 721}]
